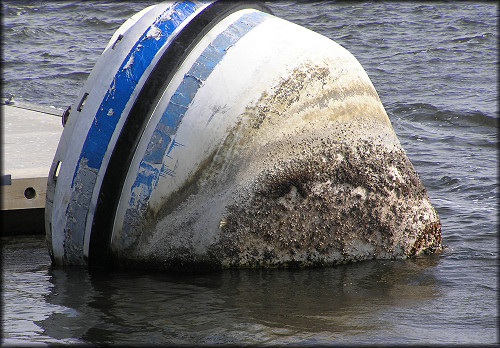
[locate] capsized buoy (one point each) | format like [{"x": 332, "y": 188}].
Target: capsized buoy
[{"x": 218, "y": 135}]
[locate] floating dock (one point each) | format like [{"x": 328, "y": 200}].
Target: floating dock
[{"x": 30, "y": 134}]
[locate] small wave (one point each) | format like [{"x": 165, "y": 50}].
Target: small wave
[
  {"x": 448, "y": 181},
  {"x": 428, "y": 112},
  {"x": 375, "y": 24},
  {"x": 436, "y": 60},
  {"x": 13, "y": 63},
  {"x": 10, "y": 10},
  {"x": 468, "y": 22},
  {"x": 320, "y": 3},
  {"x": 348, "y": 36},
  {"x": 67, "y": 6},
  {"x": 475, "y": 117},
  {"x": 423, "y": 9},
  {"x": 470, "y": 254},
  {"x": 98, "y": 22},
  {"x": 78, "y": 76},
  {"x": 22, "y": 33},
  {"x": 476, "y": 38},
  {"x": 13, "y": 11},
  {"x": 19, "y": 33},
  {"x": 403, "y": 108},
  {"x": 50, "y": 55},
  {"x": 452, "y": 28},
  {"x": 74, "y": 75},
  {"x": 414, "y": 52}
]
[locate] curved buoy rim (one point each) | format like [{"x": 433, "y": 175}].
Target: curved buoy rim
[{"x": 139, "y": 115}]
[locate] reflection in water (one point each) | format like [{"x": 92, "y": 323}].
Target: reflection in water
[
  {"x": 72, "y": 290},
  {"x": 238, "y": 306}
]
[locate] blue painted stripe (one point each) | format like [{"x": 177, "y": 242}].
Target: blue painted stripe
[
  {"x": 125, "y": 81},
  {"x": 164, "y": 133}
]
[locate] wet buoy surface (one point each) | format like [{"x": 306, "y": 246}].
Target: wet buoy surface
[{"x": 218, "y": 135}]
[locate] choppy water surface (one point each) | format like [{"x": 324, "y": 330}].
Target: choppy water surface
[{"x": 434, "y": 66}]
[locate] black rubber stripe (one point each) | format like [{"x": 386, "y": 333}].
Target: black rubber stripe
[{"x": 138, "y": 117}]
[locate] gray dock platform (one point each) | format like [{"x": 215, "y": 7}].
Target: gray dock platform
[{"x": 30, "y": 135}]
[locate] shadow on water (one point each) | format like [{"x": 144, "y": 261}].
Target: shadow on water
[{"x": 235, "y": 306}]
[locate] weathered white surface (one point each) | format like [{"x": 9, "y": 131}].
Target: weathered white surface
[
  {"x": 297, "y": 95},
  {"x": 268, "y": 147}
]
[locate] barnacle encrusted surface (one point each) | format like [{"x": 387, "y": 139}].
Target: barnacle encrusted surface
[{"x": 312, "y": 174}]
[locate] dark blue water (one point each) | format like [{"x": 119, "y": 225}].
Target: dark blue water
[{"x": 434, "y": 66}]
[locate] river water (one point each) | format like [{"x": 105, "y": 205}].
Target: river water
[{"x": 434, "y": 66}]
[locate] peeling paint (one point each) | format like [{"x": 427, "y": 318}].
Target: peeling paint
[
  {"x": 154, "y": 32},
  {"x": 129, "y": 63},
  {"x": 163, "y": 138},
  {"x": 69, "y": 219}
]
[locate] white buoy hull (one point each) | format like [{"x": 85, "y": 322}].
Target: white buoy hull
[{"x": 265, "y": 144}]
